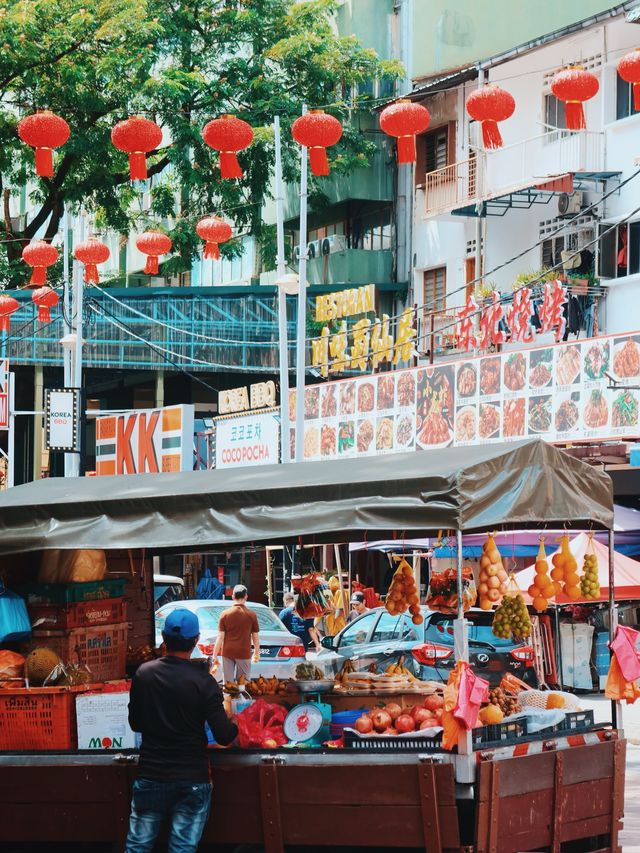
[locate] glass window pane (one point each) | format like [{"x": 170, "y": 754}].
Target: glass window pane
[
  {"x": 607, "y": 253},
  {"x": 358, "y": 632},
  {"x": 388, "y": 628}
]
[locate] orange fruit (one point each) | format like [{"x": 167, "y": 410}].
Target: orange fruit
[
  {"x": 493, "y": 583},
  {"x": 573, "y": 592},
  {"x": 549, "y": 591},
  {"x": 485, "y": 604},
  {"x": 540, "y": 603},
  {"x": 541, "y": 581},
  {"x": 557, "y": 574},
  {"x": 533, "y": 591},
  {"x": 558, "y": 561},
  {"x": 571, "y": 579},
  {"x": 493, "y": 595},
  {"x": 541, "y": 566},
  {"x": 558, "y": 587}
]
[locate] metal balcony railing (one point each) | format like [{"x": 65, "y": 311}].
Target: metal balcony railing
[{"x": 530, "y": 162}]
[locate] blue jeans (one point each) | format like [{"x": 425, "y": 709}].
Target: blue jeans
[{"x": 185, "y": 805}]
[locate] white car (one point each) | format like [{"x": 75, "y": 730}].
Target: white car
[{"x": 280, "y": 651}]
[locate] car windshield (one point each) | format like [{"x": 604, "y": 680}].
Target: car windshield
[
  {"x": 441, "y": 631},
  {"x": 209, "y": 616}
]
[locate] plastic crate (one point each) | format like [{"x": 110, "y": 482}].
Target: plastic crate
[
  {"x": 103, "y": 649},
  {"x": 392, "y": 743},
  {"x": 67, "y": 593},
  {"x": 80, "y": 614},
  {"x": 574, "y": 721},
  {"x": 499, "y": 734},
  {"x": 39, "y": 718}
]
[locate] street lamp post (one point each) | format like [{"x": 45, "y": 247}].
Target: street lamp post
[
  {"x": 283, "y": 339},
  {"x": 302, "y": 306}
]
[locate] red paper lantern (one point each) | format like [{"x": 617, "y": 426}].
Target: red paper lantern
[
  {"x": 8, "y": 305},
  {"x": 153, "y": 244},
  {"x": 39, "y": 255},
  {"x": 317, "y": 130},
  {"x": 44, "y": 298},
  {"x": 137, "y": 136},
  {"x": 574, "y": 86},
  {"x": 213, "y": 230},
  {"x": 44, "y": 131},
  {"x": 405, "y": 119},
  {"x": 228, "y": 135},
  {"x": 91, "y": 253},
  {"x": 489, "y": 105},
  {"x": 629, "y": 70}
]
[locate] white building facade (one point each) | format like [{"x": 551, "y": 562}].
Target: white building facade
[{"x": 545, "y": 191}]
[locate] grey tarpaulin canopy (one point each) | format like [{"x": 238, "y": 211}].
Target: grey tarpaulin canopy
[{"x": 521, "y": 484}]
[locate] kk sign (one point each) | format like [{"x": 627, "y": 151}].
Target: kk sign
[{"x": 145, "y": 441}]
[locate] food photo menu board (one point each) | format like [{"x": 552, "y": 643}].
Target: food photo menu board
[{"x": 560, "y": 392}]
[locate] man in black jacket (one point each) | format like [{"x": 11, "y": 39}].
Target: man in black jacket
[{"x": 171, "y": 699}]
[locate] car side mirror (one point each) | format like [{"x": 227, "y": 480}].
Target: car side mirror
[{"x": 327, "y": 642}]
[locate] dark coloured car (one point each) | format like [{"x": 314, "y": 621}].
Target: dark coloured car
[{"x": 380, "y": 638}]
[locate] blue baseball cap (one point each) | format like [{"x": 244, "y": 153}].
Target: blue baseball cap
[{"x": 181, "y": 623}]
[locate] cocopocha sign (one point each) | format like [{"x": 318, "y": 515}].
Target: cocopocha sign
[{"x": 244, "y": 441}]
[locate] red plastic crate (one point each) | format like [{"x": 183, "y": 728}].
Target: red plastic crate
[
  {"x": 80, "y": 614},
  {"x": 39, "y": 718},
  {"x": 102, "y": 648}
]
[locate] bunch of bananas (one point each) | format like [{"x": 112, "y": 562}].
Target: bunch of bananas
[
  {"x": 347, "y": 667},
  {"x": 400, "y": 669}
]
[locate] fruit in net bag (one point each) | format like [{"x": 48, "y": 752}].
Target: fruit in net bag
[
  {"x": 542, "y": 588},
  {"x": 589, "y": 582},
  {"x": 511, "y": 619},
  {"x": 403, "y": 593},
  {"x": 493, "y": 577},
  {"x": 570, "y": 579}
]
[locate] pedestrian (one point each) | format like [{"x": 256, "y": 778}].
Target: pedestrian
[
  {"x": 358, "y": 606},
  {"x": 171, "y": 699},
  {"x": 237, "y": 629},
  {"x": 295, "y": 624}
]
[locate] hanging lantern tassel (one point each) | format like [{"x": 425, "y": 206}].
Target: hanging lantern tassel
[
  {"x": 229, "y": 165},
  {"x": 8, "y": 305},
  {"x": 491, "y": 136},
  {"x": 211, "y": 251},
  {"x": 151, "y": 266},
  {"x": 318, "y": 161},
  {"x": 91, "y": 274}
]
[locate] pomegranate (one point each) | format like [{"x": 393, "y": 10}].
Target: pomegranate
[
  {"x": 393, "y": 709},
  {"x": 438, "y": 713},
  {"x": 428, "y": 724},
  {"x": 432, "y": 703},
  {"x": 391, "y": 731},
  {"x": 405, "y": 723},
  {"x": 421, "y": 715},
  {"x": 381, "y": 720},
  {"x": 364, "y": 724}
]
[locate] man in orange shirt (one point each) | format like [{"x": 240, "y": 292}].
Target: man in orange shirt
[{"x": 237, "y": 630}]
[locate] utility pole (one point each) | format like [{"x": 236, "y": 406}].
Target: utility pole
[
  {"x": 281, "y": 269},
  {"x": 302, "y": 306}
]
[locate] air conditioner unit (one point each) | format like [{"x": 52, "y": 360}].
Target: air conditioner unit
[
  {"x": 314, "y": 249},
  {"x": 569, "y": 204},
  {"x": 335, "y": 243}
]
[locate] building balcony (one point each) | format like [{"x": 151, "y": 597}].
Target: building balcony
[
  {"x": 352, "y": 267},
  {"x": 536, "y": 162}
]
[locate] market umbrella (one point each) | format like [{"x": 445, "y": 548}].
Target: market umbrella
[{"x": 626, "y": 573}]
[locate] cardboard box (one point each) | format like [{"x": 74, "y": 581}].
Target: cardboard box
[{"x": 102, "y": 722}]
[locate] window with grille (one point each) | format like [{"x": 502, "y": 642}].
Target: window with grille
[
  {"x": 552, "y": 251},
  {"x": 554, "y": 112},
  {"x": 435, "y": 289},
  {"x": 619, "y": 253},
  {"x": 435, "y": 149}
]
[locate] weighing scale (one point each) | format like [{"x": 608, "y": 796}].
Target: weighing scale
[{"x": 309, "y": 723}]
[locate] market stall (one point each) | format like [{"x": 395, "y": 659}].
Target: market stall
[{"x": 476, "y": 795}]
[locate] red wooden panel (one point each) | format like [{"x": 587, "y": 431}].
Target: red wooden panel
[
  {"x": 51, "y": 823},
  {"x": 61, "y": 784},
  {"x": 585, "y": 763},
  {"x": 526, "y": 774}
]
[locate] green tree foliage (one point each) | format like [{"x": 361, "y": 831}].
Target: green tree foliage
[{"x": 181, "y": 63}]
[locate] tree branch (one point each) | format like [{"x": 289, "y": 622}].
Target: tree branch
[
  {"x": 53, "y": 196},
  {"x": 52, "y": 61}
]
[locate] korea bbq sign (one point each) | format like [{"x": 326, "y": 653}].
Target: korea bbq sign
[
  {"x": 250, "y": 440},
  {"x": 369, "y": 343},
  {"x": 145, "y": 441},
  {"x": 559, "y": 392}
]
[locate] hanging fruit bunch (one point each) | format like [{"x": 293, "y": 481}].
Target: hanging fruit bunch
[
  {"x": 511, "y": 619},
  {"x": 493, "y": 576},
  {"x": 565, "y": 571},
  {"x": 403, "y": 593},
  {"x": 589, "y": 582},
  {"x": 543, "y": 587}
]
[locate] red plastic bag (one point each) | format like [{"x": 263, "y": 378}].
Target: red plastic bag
[
  {"x": 260, "y": 725},
  {"x": 472, "y": 692},
  {"x": 312, "y": 601},
  {"x": 11, "y": 664}
]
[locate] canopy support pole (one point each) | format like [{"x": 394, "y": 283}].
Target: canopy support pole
[
  {"x": 465, "y": 763},
  {"x": 616, "y": 707}
]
